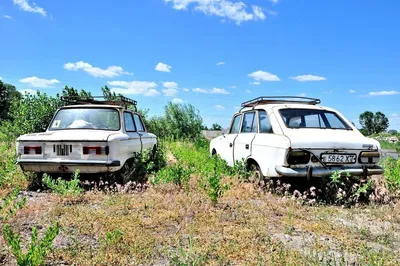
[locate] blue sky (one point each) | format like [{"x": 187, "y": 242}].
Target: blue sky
[{"x": 212, "y": 54}]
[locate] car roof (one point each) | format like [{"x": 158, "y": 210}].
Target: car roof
[
  {"x": 269, "y": 107},
  {"x": 92, "y": 106}
]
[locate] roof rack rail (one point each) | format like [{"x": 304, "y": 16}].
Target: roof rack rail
[
  {"x": 116, "y": 100},
  {"x": 281, "y": 99}
]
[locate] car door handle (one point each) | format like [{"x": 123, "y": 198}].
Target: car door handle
[
  {"x": 230, "y": 145},
  {"x": 247, "y": 146}
]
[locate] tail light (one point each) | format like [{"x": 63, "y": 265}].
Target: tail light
[
  {"x": 32, "y": 149},
  {"x": 369, "y": 157},
  {"x": 298, "y": 157},
  {"x": 98, "y": 150}
]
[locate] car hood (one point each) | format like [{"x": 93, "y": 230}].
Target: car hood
[
  {"x": 69, "y": 135},
  {"x": 329, "y": 139}
]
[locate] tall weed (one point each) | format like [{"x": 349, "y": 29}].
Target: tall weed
[{"x": 392, "y": 174}]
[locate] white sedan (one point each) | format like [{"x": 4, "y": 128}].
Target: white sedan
[
  {"x": 295, "y": 137},
  {"x": 94, "y": 137}
]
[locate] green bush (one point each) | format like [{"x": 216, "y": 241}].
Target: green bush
[
  {"x": 37, "y": 250},
  {"x": 10, "y": 173},
  {"x": 392, "y": 173},
  {"x": 63, "y": 187},
  {"x": 30, "y": 113},
  {"x": 10, "y": 204},
  {"x": 176, "y": 174}
]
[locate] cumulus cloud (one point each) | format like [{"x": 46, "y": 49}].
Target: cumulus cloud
[
  {"x": 248, "y": 91},
  {"x": 25, "y": 6},
  {"x": 263, "y": 76},
  {"x": 383, "y": 93},
  {"x": 109, "y": 72},
  {"x": 302, "y": 94},
  {"x": 220, "y": 63},
  {"x": 186, "y": 90},
  {"x": 177, "y": 101},
  {"x": 146, "y": 88},
  {"x": 163, "y": 67},
  {"x": 304, "y": 78},
  {"x": 352, "y": 91},
  {"x": 213, "y": 91},
  {"x": 225, "y": 9},
  {"x": 220, "y": 107},
  {"x": 255, "y": 83},
  {"x": 39, "y": 82},
  {"x": 170, "y": 88},
  {"x": 233, "y": 87}
]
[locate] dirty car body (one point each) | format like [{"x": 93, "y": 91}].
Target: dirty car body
[
  {"x": 94, "y": 138},
  {"x": 295, "y": 137}
]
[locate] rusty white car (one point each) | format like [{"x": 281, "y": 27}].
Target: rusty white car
[
  {"x": 288, "y": 136},
  {"x": 91, "y": 135}
]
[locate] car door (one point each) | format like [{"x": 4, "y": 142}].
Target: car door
[
  {"x": 225, "y": 147},
  {"x": 133, "y": 144},
  {"x": 243, "y": 141},
  {"x": 147, "y": 141}
]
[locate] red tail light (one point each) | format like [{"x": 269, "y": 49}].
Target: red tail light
[
  {"x": 32, "y": 149},
  {"x": 98, "y": 150}
]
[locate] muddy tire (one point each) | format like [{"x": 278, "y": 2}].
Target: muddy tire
[{"x": 256, "y": 174}]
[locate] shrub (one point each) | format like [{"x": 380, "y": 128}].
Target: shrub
[
  {"x": 63, "y": 187},
  {"x": 10, "y": 204},
  {"x": 37, "y": 250},
  {"x": 10, "y": 173},
  {"x": 392, "y": 173},
  {"x": 176, "y": 174}
]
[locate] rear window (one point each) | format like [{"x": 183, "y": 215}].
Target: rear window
[{"x": 310, "y": 118}]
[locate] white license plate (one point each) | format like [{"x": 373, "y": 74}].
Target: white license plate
[{"x": 338, "y": 158}]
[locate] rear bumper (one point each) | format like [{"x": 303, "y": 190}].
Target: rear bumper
[
  {"x": 322, "y": 172},
  {"x": 68, "y": 166}
]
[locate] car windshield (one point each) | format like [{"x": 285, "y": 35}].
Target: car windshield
[
  {"x": 86, "y": 118},
  {"x": 312, "y": 118}
]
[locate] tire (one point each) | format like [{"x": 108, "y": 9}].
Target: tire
[
  {"x": 126, "y": 173},
  {"x": 257, "y": 175}
]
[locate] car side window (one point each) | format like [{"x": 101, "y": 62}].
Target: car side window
[
  {"x": 235, "y": 125},
  {"x": 129, "y": 124},
  {"x": 138, "y": 123},
  {"x": 265, "y": 125},
  {"x": 249, "y": 123}
]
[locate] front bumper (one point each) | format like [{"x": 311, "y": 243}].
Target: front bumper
[
  {"x": 68, "y": 166},
  {"x": 308, "y": 172}
]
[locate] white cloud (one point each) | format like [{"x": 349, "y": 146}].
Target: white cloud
[
  {"x": 146, "y": 88},
  {"x": 170, "y": 85},
  {"x": 220, "y": 107},
  {"x": 352, "y": 91},
  {"x": 395, "y": 115},
  {"x": 26, "y": 91},
  {"x": 177, "y": 101},
  {"x": 1, "y": 78},
  {"x": 248, "y": 91},
  {"x": 255, "y": 83},
  {"x": 233, "y": 87},
  {"x": 274, "y": 2},
  {"x": 304, "y": 78},
  {"x": 39, "y": 83},
  {"x": 8, "y": 17},
  {"x": 220, "y": 63},
  {"x": 185, "y": 89},
  {"x": 109, "y": 72},
  {"x": 263, "y": 76},
  {"x": 302, "y": 94},
  {"x": 171, "y": 88},
  {"x": 163, "y": 67},
  {"x": 24, "y": 5},
  {"x": 213, "y": 91},
  {"x": 236, "y": 107},
  {"x": 170, "y": 92},
  {"x": 227, "y": 10},
  {"x": 383, "y": 93}
]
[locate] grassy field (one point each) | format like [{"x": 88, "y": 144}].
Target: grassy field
[{"x": 197, "y": 211}]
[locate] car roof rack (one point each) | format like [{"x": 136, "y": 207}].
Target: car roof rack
[
  {"x": 281, "y": 99},
  {"x": 116, "y": 100}
]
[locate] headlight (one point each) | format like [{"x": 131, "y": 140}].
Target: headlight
[
  {"x": 371, "y": 157},
  {"x": 298, "y": 157}
]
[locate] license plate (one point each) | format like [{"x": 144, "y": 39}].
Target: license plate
[{"x": 338, "y": 158}]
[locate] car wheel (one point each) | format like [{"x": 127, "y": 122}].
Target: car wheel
[
  {"x": 126, "y": 173},
  {"x": 256, "y": 174}
]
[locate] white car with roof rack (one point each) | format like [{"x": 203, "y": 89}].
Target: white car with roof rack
[
  {"x": 94, "y": 136},
  {"x": 293, "y": 136}
]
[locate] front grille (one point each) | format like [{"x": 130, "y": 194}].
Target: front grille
[{"x": 62, "y": 149}]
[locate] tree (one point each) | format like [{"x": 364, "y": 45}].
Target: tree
[
  {"x": 373, "y": 123},
  {"x": 71, "y": 92},
  {"x": 107, "y": 94},
  {"x": 8, "y": 93},
  {"x": 216, "y": 127}
]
